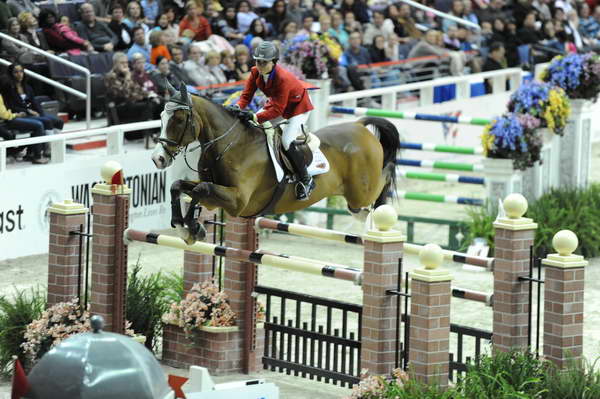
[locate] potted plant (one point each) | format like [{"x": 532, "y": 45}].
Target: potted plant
[
  {"x": 577, "y": 74},
  {"x": 56, "y": 324}
]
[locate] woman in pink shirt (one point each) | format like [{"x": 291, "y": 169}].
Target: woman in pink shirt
[{"x": 61, "y": 38}]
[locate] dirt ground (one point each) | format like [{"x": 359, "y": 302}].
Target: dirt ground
[{"x": 26, "y": 272}]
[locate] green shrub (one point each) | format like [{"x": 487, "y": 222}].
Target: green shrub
[
  {"x": 15, "y": 314},
  {"x": 504, "y": 375},
  {"x": 579, "y": 381},
  {"x": 577, "y": 210},
  {"x": 148, "y": 298},
  {"x": 480, "y": 224}
]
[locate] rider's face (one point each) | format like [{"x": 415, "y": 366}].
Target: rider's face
[{"x": 264, "y": 67}]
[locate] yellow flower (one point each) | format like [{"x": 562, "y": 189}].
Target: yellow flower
[
  {"x": 557, "y": 110},
  {"x": 487, "y": 139}
]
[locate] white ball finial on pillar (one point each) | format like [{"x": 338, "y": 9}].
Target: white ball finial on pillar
[
  {"x": 515, "y": 206},
  {"x": 565, "y": 242},
  {"x": 385, "y": 217},
  {"x": 112, "y": 172},
  {"x": 431, "y": 256}
]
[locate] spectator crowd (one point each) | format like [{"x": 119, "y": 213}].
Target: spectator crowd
[{"x": 208, "y": 42}]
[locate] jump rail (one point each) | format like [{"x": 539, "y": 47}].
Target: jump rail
[
  {"x": 471, "y": 295},
  {"x": 442, "y": 148},
  {"x": 360, "y": 111},
  {"x": 280, "y": 261},
  {"x": 447, "y": 177},
  {"x": 449, "y": 199},
  {"x": 333, "y": 235},
  {"x": 462, "y": 166}
]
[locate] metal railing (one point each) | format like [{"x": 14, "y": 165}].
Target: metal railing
[
  {"x": 58, "y": 142},
  {"x": 88, "y": 76}
]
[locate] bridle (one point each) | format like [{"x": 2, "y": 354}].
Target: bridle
[{"x": 204, "y": 147}]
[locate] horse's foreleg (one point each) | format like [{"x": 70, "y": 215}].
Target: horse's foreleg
[{"x": 195, "y": 230}]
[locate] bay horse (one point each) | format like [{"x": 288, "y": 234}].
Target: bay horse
[{"x": 236, "y": 173}]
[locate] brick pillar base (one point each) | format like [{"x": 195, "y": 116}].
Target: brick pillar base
[
  {"x": 220, "y": 352},
  {"x": 105, "y": 260},
  {"x": 197, "y": 268},
  {"x": 382, "y": 250},
  {"x": 513, "y": 239},
  {"x": 563, "y": 307},
  {"x": 430, "y": 319},
  {"x": 63, "y": 253}
]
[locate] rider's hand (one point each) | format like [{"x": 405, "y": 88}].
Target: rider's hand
[{"x": 233, "y": 108}]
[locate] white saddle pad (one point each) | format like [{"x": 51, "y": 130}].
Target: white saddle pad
[{"x": 319, "y": 164}]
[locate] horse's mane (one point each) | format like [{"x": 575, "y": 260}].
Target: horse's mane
[{"x": 230, "y": 114}]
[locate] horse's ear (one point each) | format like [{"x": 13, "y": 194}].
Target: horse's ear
[
  {"x": 184, "y": 94},
  {"x": 170, "y": 88}
]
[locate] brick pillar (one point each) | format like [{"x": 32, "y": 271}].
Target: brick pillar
[
  {"x": 109, "y": 259},
  {"x": 430, "y": 318},
  {"x": 239, "y": 282},
  {"x": 198, "y": 267},
  {"x": 563, "y": 300},
  {"x": 513, "y": 238},
  {"x": 382, "y": 250},
  {"x": 63, "y": 253}
]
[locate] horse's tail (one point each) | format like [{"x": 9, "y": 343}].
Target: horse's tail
[{"x": 390, "y": 141}]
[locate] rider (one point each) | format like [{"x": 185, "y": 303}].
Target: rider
[{"x": 288, "y": 99}]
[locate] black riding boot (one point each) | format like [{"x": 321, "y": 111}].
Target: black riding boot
[{"x": 306, "y": 183}]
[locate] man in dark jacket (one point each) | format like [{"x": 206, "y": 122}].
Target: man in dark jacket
[
  {"x": 494, "y": 61},
  {"x": 96, "y": 32}
]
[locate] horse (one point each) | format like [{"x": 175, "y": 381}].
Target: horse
[{"x": 236, "y": 173}]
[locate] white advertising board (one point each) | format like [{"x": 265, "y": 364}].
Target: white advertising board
[{"x": 26, "y": 193}]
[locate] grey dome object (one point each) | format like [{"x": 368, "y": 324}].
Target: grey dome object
[
  {"x": 98, "y": 365},
  {"x": 266, "y": 51}
]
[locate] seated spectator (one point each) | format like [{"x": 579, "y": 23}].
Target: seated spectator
[
  {"x": 242, "y": 62},
  {"x": 529, "y": 34},
  {"x": 30, "y": 31},
  {"x": 275, "y": 17},
  {"x": 170, "y": 31},
  {"x": 289, "y": 30},
  {"x": 120, "y": 29},
  {"x": 494, "y": 10},
  {"x": 159, "y": 48},
  {"x": 542, "y": 8},
  {"x": 257, "y": 29},
  {"x": 215, "y": 73},
  {"x": 61, "y": 38},
  {"x": 429, "y": 46},
  {"x": 244, "y": 15},
  {"x": 139, "y": 73},
  {"x": 176, "y": 66},
  {"x": 494, "y": 61},
  {"x": 294, "y": 11},
  {"x": 194, "y": 26},
  {"x": 140, "y": 46},
  {"x": 96, "y": 32},
  {"x": 337, "y": 29},
  {"x": 351, "y": 24},
  {"x": 194, "y": 66},
  {"x": 228, "y": 66},
  {"x": 132, "y": 102},
  {"x": 550, "y": 41},
  {"x": 227, "y": 26},
  {"x": 469, "y": 14},
  {"x": 151, "y": 11},
  {"x": 134, "y": 16},
  {"x": 458, "y": 11},
  {"x": 20, "y": 121},
  {"x": 161, "y": 75},
  {"x": 13, "y": 50},
  {"x": 451, "y": 40},
  {"x": 404, "y": 24},
  {"x": 356, "y": 54},
  {"x": 308, "y": 20},
  {"x": 5, "y": 13},
  {"x": 358, "y": 8},
  {"x": 381, "y": 26},
  {"x": 20, "y": 97},
  {"x": 20, "y": 6}
]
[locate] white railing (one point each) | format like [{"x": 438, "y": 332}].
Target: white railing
[
  {"x": 463, "y": 88},
  {"x": 58, "y": 142},
  {"x": 88, "y": 76}
]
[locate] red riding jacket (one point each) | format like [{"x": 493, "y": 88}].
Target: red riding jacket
[{"x": 287, "y": 94}]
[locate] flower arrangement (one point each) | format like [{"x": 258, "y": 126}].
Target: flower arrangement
[
  {"x": 379, "y": 386},
  {"x": 56, "y": 324},
  {"x": 577, "y": 74},
  {"x": 513, "y": 136},
  {"x": 547, "y": 103},
  {"x": 204, "y": 305},
  {"x": 310, "y": 54}
]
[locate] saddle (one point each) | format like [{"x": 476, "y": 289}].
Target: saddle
[{"x": 281, "y": 155}]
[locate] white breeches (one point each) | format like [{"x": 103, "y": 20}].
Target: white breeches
[{"x": 292, "y": 129}]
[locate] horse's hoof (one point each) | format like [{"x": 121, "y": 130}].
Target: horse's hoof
[{"x": 200, "y": 233}]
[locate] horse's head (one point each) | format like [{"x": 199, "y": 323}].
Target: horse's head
[{"x": 179, "y": 127}]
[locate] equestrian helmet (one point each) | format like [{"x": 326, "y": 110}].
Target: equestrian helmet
[{"x": 266, "y": 51}]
